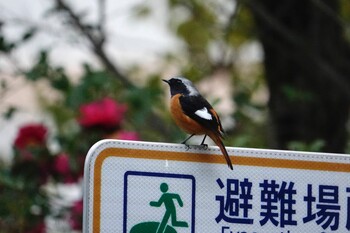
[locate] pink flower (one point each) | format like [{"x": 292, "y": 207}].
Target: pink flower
[
  {"x": 125, "y": 135},
  {"x": 61, "y": 164},
  {"x": 106, "y": 113},
  {"x": 128, "y": 135},
  {"x": 78, "y": 207},
  {"x": 61, "y": 169},
  {"x": 31, "y": 135},
  {"x": 76, "y": 215}
]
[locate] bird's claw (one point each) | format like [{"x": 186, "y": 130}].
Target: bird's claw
[
  {"x": 187, "y": 146},
  {"x": 202, "y": 145}
]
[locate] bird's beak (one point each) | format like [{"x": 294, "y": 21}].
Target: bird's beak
[{"x": 167, "y": 81}]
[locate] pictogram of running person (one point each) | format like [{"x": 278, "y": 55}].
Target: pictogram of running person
[{"x": 170, "y": 210}]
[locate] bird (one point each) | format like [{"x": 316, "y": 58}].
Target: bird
[{"x": 193, "y": 113}]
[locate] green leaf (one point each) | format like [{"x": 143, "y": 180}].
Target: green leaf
[
  {"x": 142, "y": 10},
  {"x": 59, "y": 80},
  {"x": 314, "y": 146},
  {"x": 40, "y": 69},
  {"x": 6, "y": 46},
  {"x": 10, "y": 112},
  {"x": 29, "y": 34},
  {"x": 295, "y": 94}
]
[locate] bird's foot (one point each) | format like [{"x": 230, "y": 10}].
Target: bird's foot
[
  {"x": 187, "y": 146},
  {"x": 204, "y": 146}
]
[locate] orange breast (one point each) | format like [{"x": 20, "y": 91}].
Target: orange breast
[{"x": 182, "y": 120}]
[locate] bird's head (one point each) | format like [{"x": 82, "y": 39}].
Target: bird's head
[{"x": 181, "y": 85}]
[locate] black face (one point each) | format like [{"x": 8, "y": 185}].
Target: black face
[{"x": 176, "y": 86}]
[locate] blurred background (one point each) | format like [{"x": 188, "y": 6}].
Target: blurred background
[{"x": 75, "y": 72}]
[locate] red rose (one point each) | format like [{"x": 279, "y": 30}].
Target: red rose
[
  {"x": 78, "y": 207},
  {"x": 31, "y": 135},
  {"x": 76, "y": 215},
  {"x": 62, "y": 170},
  {"x": 61, "y": 164},
  {"x": 106, "y": 113}
]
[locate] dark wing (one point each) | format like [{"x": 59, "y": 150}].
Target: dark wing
[{"x": 198, "y": 108}]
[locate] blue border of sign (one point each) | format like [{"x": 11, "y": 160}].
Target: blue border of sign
[{"x": 154, "y": 174}]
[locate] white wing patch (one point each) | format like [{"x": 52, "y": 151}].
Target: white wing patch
[{"x": 203, "y": 113}]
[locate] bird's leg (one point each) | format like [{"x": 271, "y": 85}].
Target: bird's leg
[
  {"x": 205, "y": 146},
  {"x": 184, "y": 142}
]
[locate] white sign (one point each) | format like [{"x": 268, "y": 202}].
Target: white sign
[{"x": 139, "y": 187}]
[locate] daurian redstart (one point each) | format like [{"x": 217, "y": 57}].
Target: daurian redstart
[{"x": 194, "y": 114}]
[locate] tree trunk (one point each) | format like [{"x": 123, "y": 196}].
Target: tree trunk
[{"x": 307, "y": 68}]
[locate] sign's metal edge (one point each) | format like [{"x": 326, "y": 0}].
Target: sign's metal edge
[
  {"x": 270, "y": 153},
  {"x": 95, "y": 149}
]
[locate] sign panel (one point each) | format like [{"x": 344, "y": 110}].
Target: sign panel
[{"x": 139, "y": 187}]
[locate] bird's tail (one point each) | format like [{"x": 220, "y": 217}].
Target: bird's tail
[{"x": 218, "y": 141}]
